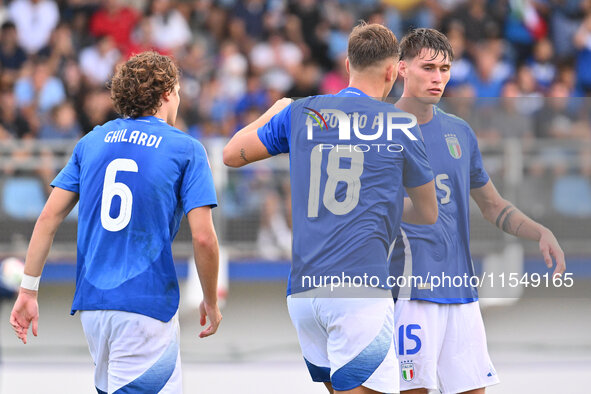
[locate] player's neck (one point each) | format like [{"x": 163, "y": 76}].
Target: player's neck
[
  {"x": 162, "y": 113},
  {"x": 423, "y": 112},
  {"x": 370, "y": 88}
]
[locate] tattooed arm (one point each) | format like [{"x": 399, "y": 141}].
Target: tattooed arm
[
  {"x": 246, "y": 147},
  {"x": 511, "y": 220}
]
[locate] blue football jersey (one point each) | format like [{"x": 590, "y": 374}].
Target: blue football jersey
[
  {"x": 348, "y": 165},
  {"x": 444, "y": 247},
  {"x": 135, "y": 179}
]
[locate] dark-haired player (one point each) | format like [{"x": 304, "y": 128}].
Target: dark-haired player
[{"x": 439, "y": 330}]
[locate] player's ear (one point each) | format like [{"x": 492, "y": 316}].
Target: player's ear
[
  {"x": 402, "y": 68},
  {"x": 165, "y": 97},
  {"x": 347, "y": 65},
  {"x": 391, "y": 71},
  {"x": 394, "y": 71}
]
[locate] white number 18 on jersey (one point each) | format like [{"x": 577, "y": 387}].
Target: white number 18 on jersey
[{"x": 351, "y": 176}]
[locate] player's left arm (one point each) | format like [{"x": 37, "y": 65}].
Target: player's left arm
[
  {"x": 245, "y": 146},
  {"x": 511, "y": 220},
  {"x": 25, "y": 310}
]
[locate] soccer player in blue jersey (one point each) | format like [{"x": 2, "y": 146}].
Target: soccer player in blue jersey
[
  {"x": 133, "y": 178},
  {"x": 440, "y": 334},
  {"x": 347, "y": 183}
]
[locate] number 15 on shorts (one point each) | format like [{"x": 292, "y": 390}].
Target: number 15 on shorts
[{"x": 408, "y": 342}]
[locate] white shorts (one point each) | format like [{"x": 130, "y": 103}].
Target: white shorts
[
  {"x": 347, "y": 341},
  {"x": 133, "y": 353},
  {"x": 442, "y": 347}
]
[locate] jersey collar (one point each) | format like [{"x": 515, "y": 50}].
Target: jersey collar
[
  {"x": 150, "y": 118},
  {"x": 351, "y": 92}
]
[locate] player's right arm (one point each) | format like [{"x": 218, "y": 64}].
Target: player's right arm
[
  {"x": 26, "y": 310},
  {"x": 246, "y": 146},
  {"x": 206, "y": 249},
  {"x": 420, "y": 207}
]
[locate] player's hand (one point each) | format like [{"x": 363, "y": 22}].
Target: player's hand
[
  {"x": 25, "y": 312},
  {"x": 211, "y": 313},
  {"x": 550, "y": 248}
]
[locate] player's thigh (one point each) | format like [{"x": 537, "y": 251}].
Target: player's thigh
[
  {"x": 144, "y": 354},
  {"x": 419, "y": 330},
  {"x": 312, "y": 336},
  {"x": 97, "y": 333},
  {"x": 360, "y": 344},
  {"x": 464, "y": 362}
]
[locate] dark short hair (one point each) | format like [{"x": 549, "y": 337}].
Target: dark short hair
[
  {"x": 138, "y": 84},
  {"x": 418, "y": 39},
  {"x": 7, "y": 26},
  {"x": 370, "y": 44}
]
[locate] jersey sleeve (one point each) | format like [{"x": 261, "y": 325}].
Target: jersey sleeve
[
  {"x": 197, "y": 188},
  {"x": 69, "y": 177},
  {"x": 478, "y": 175},
  {"x": 417, "y": 170},
  {"x": 276, "y": 133}
]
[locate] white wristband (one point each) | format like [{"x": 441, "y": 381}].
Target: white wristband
[{"x": 30, "y": 282}]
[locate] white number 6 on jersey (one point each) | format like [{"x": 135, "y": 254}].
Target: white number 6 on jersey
[{"x": 112, "y": 189}]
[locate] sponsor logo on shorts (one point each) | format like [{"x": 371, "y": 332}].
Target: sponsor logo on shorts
[
  {"x": 407, "y": 368},
  {"x": 491, "y": 371}
]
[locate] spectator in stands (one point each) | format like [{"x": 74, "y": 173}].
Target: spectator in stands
[
  {"x": 34, "y": 20},
  {"x": 339, "y": 34},
  {"x": 462, "y": 66},
  {"x": 38, "y": 88},
  {"x": 582, "y": 42},
  {"x": 12, "y": 55},
  {"x": 486, "y": 79},
  {"x": 505, "y": 120},
  {"x": 276, "y": 60},
  {"x": 98, "y": 61},
  {"x": 336, "y": 79},
  {"x": 542, "y": 66},
  {"x": 170, "y": 29},
  {"x": 252, "y": 15},
  {"x": 306, "y": 80},
  {"x": 73, "y": 81},
  {"x": 475, "y": 18},
  {"x": 12, "y": 122},
  {"x": 529, "y": 91},
  {"x": 255, "y": 98},
  {"x": 556, "y": 121},
  {"x": 312, "y": 23},
  {"x": 62, "y": 124},
  {"x": 115, "y": 20},
  {"x": 565, "y": 18},
  {"x": 231, "y": 71},
  {"x": 142, "y": 40},
  {"x": 96, "y": 109}
]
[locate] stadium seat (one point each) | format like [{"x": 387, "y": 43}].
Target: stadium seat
[
  {"x": 23, "y": 197},
  {"x": 572, "y": 196}
]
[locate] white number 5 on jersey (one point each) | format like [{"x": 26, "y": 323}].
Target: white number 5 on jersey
[
  {"x": 443, "y": 187},
  {"x": 112, "y": 189}
]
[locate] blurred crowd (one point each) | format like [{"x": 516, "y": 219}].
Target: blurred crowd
[
  {"x": 530, "y": 57},
  {"x": 238, "y": 56}
]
